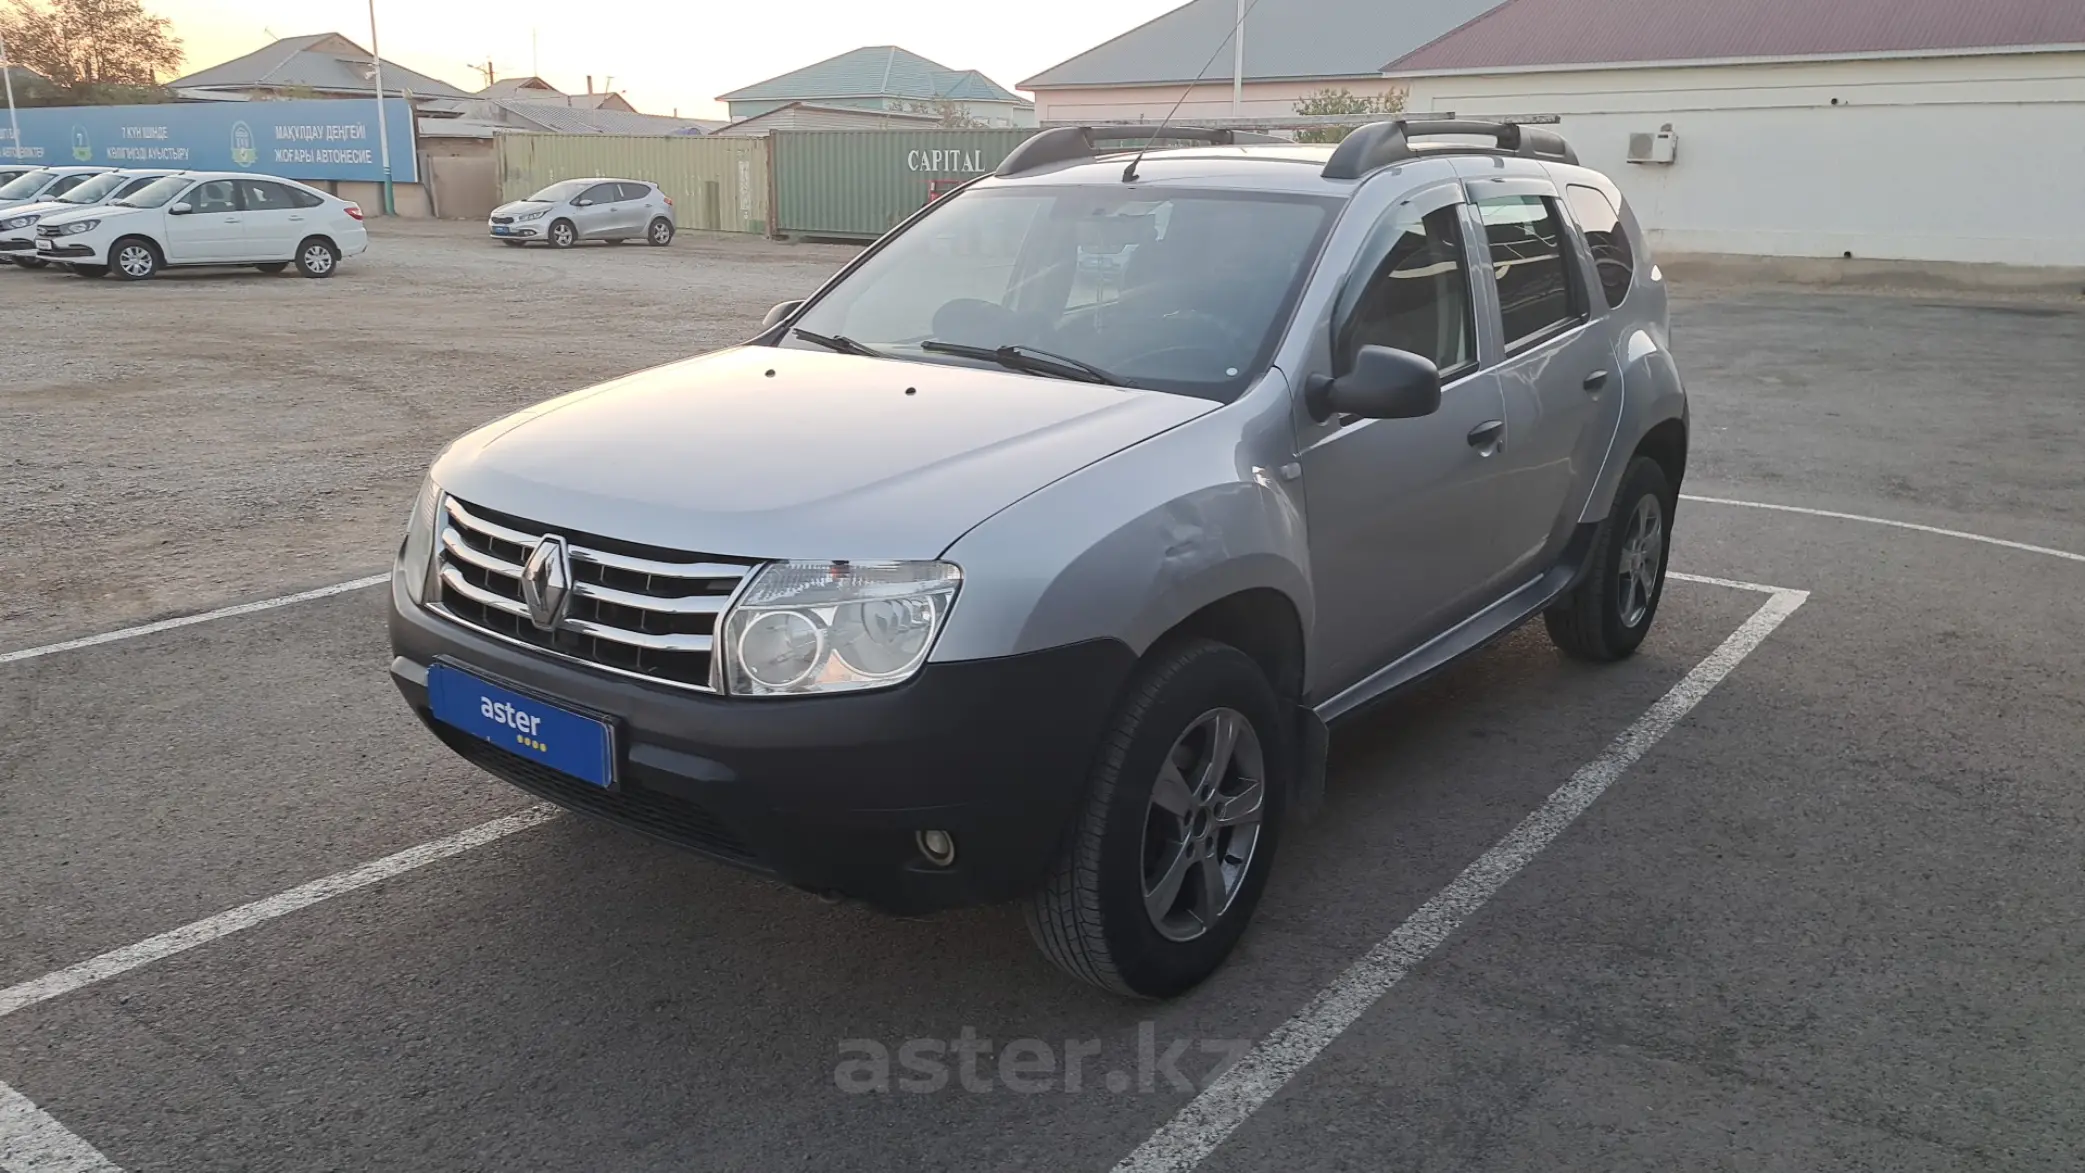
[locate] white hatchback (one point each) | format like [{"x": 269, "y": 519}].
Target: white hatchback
[{"x": 207, "y": 218}]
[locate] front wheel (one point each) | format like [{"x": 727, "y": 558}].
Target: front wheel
[
  {"x": 563, "y": 235},
  {"x": 1165, "y": 865},
  {"x": 317, "y": 258},
  {"x": 660, "y": 234},
  {"x": 135, "y": 259},
  {"x": 1606, "y": 616}
]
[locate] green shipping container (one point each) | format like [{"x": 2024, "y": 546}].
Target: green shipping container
[
  {"x": 858, "y": 184},
  {"x": 716, "y": 184}
]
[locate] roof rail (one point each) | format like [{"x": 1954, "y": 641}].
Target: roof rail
[
  {"x": 1065, "y": 144},
  {"x": 1379, "y": 144}
]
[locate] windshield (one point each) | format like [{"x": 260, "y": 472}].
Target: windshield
[
  {"x": 26, "y": 185},
  {"x": 1172, "y": 290},
  {"x": 94, "y": 189},
  {"x": 157, "y": 193},
  {"x": 559, "y": 192}
]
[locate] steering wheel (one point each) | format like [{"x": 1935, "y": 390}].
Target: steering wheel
[{"x": 1218, "y": 343}]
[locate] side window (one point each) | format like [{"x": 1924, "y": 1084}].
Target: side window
[
  {"x": 303, "y": 199},
  {"x": 636, "y": 191},
  {"x": 601, "y": 193},
  {"x": 263, "y": 196},
  {"x": 1613, "y": 256},
  {"x": 1414, "y": 296},
  {"x": 1536, "y": 295},
  {"x": 214, "y": 196}
]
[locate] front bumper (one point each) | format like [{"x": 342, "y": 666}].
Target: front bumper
[
  {"x": 60, "y": 249},
  {"x": 826, "y": 793},
  {"x": 532, "y": 230}
]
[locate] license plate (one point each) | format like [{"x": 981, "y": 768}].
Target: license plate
[
  {"x": 565, "y": 741},
  {"x": 502, "y": 230},
  {"x": 42, "y": 244}
]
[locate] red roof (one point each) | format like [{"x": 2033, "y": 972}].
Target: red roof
[{"x": 1527, "y": 33}]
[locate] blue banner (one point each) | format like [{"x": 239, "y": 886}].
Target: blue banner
[{"x": 297, "y": 140}]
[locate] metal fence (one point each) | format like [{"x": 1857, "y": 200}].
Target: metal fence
[{"x": 716, "y": 184}]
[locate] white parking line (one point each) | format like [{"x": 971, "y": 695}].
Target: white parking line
[
  {"x": 1910, "y": 525},
  {"x": 109, "y": 637},
  {"x": 32, "y": 1142},
  {"x": 1203, "y": 1124}
]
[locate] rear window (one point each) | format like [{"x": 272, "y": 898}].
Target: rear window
[
  {"x": 1613, "y": 256},
  {"x": 1527, "y": 244}
]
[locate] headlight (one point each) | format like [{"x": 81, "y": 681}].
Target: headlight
[
  {"x": 416, "y": 552},
  {"x": 17, "y": 222},
  {"x": 79, "y": 226},
  {"x": 535, "y": 215},
  {"x": 821, "y": 627}
]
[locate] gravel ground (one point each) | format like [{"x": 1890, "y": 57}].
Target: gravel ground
[{"x": 216, "y": 435}]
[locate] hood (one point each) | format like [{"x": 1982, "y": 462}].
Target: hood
[
  {"x": 771, "y": 453},
  {"x": 520, "y": 206},
  {"x": 9, "y": 209},
  {"x": 90, "y": 212}
]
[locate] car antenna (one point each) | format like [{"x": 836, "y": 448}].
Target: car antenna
[{"x": 1129, "y": 173}]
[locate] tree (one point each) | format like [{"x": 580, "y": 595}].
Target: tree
[
  {"x": 950, "y": 112},
  {"x": 1344, "y": 102},
  {"x": 90, "y": 49}
]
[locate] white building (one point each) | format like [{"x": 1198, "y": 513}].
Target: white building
[{"x": 1916, "y": 130}]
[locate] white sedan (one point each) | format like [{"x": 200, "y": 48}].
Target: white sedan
[
  {"x": 207, "y": 218},
  {"x": 18, "y": 224}
]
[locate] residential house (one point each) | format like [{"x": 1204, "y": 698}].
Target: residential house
[
  {"x": 885, "y": 77},
  {"x": 324, "y": 65}
]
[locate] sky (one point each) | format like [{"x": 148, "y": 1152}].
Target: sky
[{"x": 664, "y": 55}]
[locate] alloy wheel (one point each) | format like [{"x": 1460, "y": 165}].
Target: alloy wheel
[
  {"x": 1203, "y": 824},
  {"x": 1643, "y": 556}
]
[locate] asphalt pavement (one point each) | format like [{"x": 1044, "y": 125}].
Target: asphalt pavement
[{"x": 1830, "y": 920}]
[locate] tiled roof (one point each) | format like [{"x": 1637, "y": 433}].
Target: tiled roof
[
  {"x": 1287, "y": 39},
  {"x": 875, "y": 71},
  {"x": 1522, "y": 34},
  {"x": 325, "y": 61}
]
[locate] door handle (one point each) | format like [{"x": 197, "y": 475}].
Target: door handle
[
  {"x": 1596, "y": 380},
  {"x": 1486, "y": 434}
]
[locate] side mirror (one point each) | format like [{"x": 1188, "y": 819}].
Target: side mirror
[
  {"x": 582, "y": 203},
  {"x": 181, "y": 209},
  {"x": 776, "y": 315},
  {"x": 1385, "y": 384}
]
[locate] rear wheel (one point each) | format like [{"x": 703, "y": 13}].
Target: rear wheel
[
  {"x": 660, "y": 234},
  {"x": 317, "y": 257},
  {"x": 563, "y": 235},
  {"x": 135, "y": 259},
  {"x": 1162, "y": 872},
  {"x": 1607, "y": 615}
]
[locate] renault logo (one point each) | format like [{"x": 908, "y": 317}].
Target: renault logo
[{"x": 546, "y": 582}]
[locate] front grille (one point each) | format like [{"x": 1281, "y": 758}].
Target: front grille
[
  {"x": 661, "y": 816},
  {"x": 50, "y": 230},
  {"x": 503, "y": 219},
  {"x": 634, "y": 609}
]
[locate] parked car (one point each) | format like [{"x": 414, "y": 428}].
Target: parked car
[
  {"x": 18, "y": 224},
  {"x": 44, "y": 183},
  {"x": 955, "y": 586},
  {"x": 207, "y": 218},
  {"x": 566, "y": 213},
  {"x": 9, "y": 174}
]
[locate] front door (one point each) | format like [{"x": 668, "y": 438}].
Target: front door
[
  {"x": 1556, "y": 373},
  {"x": 1398, "y": 508},
  {"x": 597, "y": 218},
  {"x": 209, "y": 231}
]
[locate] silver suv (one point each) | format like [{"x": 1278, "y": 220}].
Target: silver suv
[
  {"x": 990, "y": 573},
  {"x": 566, "y": 213}
]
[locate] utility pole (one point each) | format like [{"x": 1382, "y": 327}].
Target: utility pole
[
  {"x": 383, "y": 129},
  {"x": 1238, "y": 64}
]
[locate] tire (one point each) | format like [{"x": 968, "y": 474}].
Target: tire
[
  {"x": 563, "y": 234},
  {"x": 89, "y": 270},
  {"x": 1606, "y": 616},
  {"x": 660, "y": 233},
  {"x": 134, "y": 258},
  {"x": 273, "y": 266},
  {"x": 1090, "y": 916},
  {"x": 317, "y": 257}
]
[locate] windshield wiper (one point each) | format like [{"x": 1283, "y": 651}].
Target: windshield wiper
[
  {"x": 1029, "y": 360},
  {"x": 839, "y": 342}
]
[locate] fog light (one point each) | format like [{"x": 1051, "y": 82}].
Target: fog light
[{"x": 938, "y": 846}]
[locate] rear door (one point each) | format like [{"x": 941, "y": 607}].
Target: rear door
[
  {"x": 638, "y": 205},
  {"x": 1554, "y": 368},
  {"x": 208, "y": 233},
  {"x": 274, "y": 222},
  {"x": 1398, "y": 507}
]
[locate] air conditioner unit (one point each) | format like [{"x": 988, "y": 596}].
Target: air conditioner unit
[{"x": 1660, "y": 147}]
